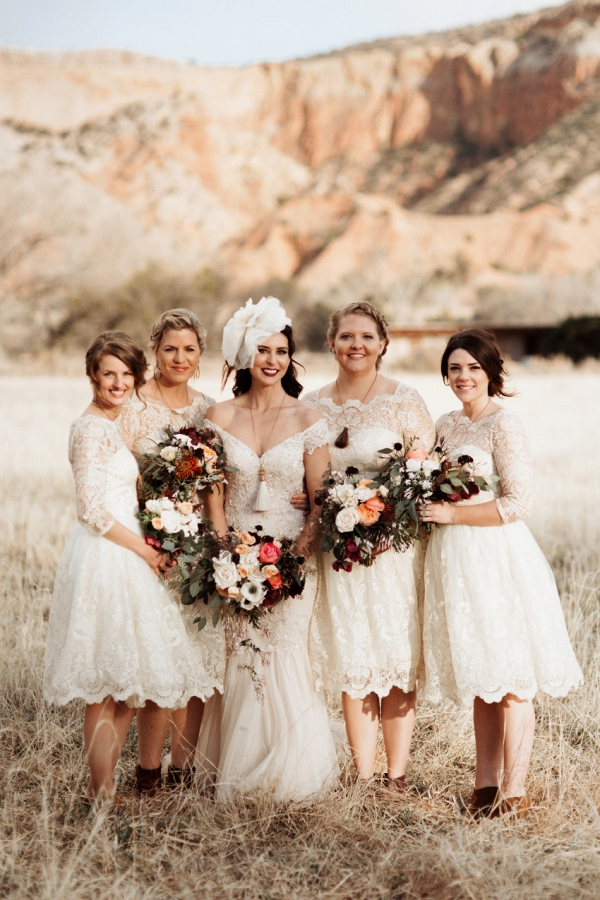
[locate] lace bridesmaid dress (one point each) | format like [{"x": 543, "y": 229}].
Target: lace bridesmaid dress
[
  {"x": 114, "y": 629},
  {"x": 274, "y": 734},
  {"x": 493, "y": 622},
  {"x": 143, "y": 423},
  {"x": 366, "y": 634}
]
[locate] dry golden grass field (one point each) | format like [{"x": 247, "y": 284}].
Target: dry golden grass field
[{"x": 354, "y": 845}]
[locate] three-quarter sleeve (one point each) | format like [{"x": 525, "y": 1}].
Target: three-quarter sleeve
[
  {"x": 412, "y": 420},
  {"x": 510, "y": 449},
  {"x": 92, "y": 444}
]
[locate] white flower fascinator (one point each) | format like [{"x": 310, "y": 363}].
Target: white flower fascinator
[{"x": 253, "y": 323}]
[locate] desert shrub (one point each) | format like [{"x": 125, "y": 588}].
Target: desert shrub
[
  {"x": 134, "y": 306},
  {"x": 578, "y": 338}
]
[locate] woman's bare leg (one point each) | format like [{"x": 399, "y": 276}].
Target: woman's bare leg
[
  {"x": 519, "y": 729},
  {"x": 397, "y": 723},
  {"x": 488, "y": 720},
  {"x": 153, "y": 724},
  {"x": 105, "y": 729},
  {"x": 185, "y": 728},
  {"x": 361, "y": 716}
]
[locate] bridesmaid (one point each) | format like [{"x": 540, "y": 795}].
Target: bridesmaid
[
  {"x": 494, "y": 632},
  {"x": 177, "y": 340},
  {"x": 115, "y": 636},
  {"x": 366, "y": 641}
]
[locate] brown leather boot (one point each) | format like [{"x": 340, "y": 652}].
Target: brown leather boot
[
  {"x": 177, "y": 777},
  {"x": 483, "y": 804},
  {"x": 516, "y": 806},
  {"x": 147, "y": 781}
]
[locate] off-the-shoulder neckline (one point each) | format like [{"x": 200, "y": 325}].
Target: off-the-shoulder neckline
[
  {"x": 175, "y": 409},
  {"x": 352, "y": 401},
  {"x": 278, "y": 444}
]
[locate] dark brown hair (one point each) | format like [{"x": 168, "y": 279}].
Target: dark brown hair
[
  {"x": 289, "y": 382},
  {"x": 363, "y": 308},
  {"x": 483, "y": 347},
  {"x": 119, "y": 344}
]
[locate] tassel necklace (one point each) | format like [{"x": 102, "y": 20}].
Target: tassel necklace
[
  {"x": 263, "y": 501},
  {"x": 341, "y": 440}
]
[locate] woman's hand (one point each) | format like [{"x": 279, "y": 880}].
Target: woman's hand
[
  {"x": 300, "y": 502},
  {"x": 155, "y": 559},
  {"x": 438, "y": 513}
]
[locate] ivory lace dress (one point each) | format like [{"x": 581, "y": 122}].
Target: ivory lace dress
[
  {"x": 143, "y": 423},
  {"x": 114, "y": 629},
  {"x": 493, "y": 622},
  {"x": 366, "y": 634},
  {"x": 277, "y": 736}
]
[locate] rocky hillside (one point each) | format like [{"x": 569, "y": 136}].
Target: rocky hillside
[{"x": 449, "y": 175}]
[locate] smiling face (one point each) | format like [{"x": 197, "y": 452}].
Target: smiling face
[
  {"x": 467, "y": 377},
  {"x": 178, "y": 355},
  {"x": 271, "y": 361},
  {"x": 113, "y": 383},
  {"x": 357, "y": 345}
]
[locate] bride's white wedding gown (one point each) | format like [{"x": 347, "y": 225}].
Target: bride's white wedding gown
[{"x": 274, "y": 734}]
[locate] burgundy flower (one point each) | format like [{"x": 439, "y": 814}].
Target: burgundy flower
[
  {"x": 352, "y": 551},
  {"x": 153, "y": 542},
  {"x": 192, "y": 434},
  {"x": 346, "y": 566}
]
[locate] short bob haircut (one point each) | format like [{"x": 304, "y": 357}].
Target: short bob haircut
[
  {"x": 177, "y": 320},
  {"x": 483, "y": 347},
  {"x": 362, "y": 308},
  {"x": 289, "y": 382},
  {"x": 119, "y": 344}
]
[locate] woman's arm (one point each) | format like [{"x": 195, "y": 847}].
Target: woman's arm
[
  {"x": 481, "y": 514},
  {"x": 316, "y": 464},
  {"x": 213, "y": 501}
]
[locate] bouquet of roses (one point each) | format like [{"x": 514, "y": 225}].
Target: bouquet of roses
[
  {"x": 184, "y": 462},
  {"x": 357, "y": 519},
  {"x": 247, "y": 574},
  {"x": 412, "y": 477}
]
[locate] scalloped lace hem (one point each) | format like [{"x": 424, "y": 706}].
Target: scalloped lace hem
[
  {"x": 406, "y": 682},
  {"x": 133, "y": 698},
  {"x": 555, "y": 691}
]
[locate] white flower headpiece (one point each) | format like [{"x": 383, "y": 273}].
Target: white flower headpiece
[{"x": 249, "y": 326}]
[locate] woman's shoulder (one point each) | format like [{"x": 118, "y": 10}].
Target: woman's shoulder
[
  {"x": 88, "y": 424},
  {"x": 223, "y": 412}
]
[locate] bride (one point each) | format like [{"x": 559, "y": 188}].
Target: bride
[{"x": 277, "y": 737}]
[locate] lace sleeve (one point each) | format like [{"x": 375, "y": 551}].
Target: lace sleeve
[
  {"x": 201, "y": 404},
  {"x": 92, "y": 444},
  {"x": 316, "y": 436},
  {"x": 510, "y": 449},
  {"x": 129, "y": 423},
  {"x": 412, "y": 419},
  {"x": 311, "y": 399}
]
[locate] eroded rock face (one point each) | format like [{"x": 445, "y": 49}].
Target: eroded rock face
[{"x": 424, "y": 171}]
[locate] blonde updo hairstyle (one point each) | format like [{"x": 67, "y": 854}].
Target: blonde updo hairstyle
[
  {"x": 362, "y": 308},
  {"x": 119, "y": 344},
  {"x": 177, "y": 320}
]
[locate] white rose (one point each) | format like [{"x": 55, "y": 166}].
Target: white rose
[
  {"x": 346, "y": 519},
  {"x": 413, "y": 465},
  {"x": 365, "y": 493},
  {"x": 429, "y": 465},
  {"x": 343, "y": 493},
  {"x": 256, "y": 575},
  {"x": 190, "y": 526},
  {"x": 154, "y": 506},
  {"x": 252, "y": 595},
  {"x": 165, "y": 503},
  {"x": 168, "y": 453},
  {"x": 225, "y": 574},
  {"x": 183, "y": 440},
  {"x": 171, "y": 521},
  {"x": 383, "y": 491},
  {"x": 251, "y": 559}
]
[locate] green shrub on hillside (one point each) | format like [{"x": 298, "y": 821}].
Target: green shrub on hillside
[{"x": 577, "y": 338}]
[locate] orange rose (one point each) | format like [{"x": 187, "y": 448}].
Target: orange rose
[
  {"x": 417, "y": 453},
  {"x": 375, "y": 503},
  {"x": 275, "y": 580},
  {"x": 366, "y": 516}
]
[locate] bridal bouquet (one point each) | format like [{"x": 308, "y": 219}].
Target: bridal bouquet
[
  {"x": 357, "y": 519},
  {"x": 412, "y": 477},
  {"x": 246, "y": 574},
  {"x": 183, "y": 463},
  {"x": 172, "y": 527}
]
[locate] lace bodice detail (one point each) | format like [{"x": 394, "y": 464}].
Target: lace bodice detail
[
  {"x": 105, "y": 473},
  {"x": 498, "y": 445},
  {"x": 284, "y": 470},
  {"x": 401, "y": 416},
  {"x": 143, "y": 421}
]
